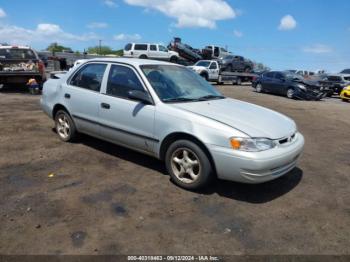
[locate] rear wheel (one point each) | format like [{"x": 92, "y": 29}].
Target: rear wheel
[
  {"x": 65, "y": 126},
  {"x": 173, "y": 59},
  {"x": 259, "y": 88},
  {"x": 143, "y": 57},
  {"x": 290, "y": 93},
  {"x": 188, "y": 165},
  {"x": 239, "y": 81}
]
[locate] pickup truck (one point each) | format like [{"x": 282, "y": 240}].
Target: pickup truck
[
  {"x": 18, "y": 64},
  {"x": 211, "y": 71},
  {"x": 214, "y": 52}
]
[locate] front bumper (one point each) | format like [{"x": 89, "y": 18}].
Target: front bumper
[{"x": 257, "y": 167}]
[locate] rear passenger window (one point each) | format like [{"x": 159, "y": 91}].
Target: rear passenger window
[
  {"x": 121, "y": 80},
  {"x": 270, "y": 74},
  {"x": 153, "y": 48},
  {"x": 140, "y": 47},
  {"x": 89, "y": 77}
]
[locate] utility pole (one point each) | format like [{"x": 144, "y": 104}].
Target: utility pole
[{"x": 100, "y": 41}]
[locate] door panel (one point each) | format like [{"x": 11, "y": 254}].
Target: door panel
[
  {"x": 82, "y": 94},
  {"x": 124, "y": 121}
]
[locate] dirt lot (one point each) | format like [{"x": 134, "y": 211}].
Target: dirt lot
[{"x": 104, "y": 199}]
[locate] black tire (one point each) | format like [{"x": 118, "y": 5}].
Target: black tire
[
  {"x": 345, "y": 100},
  {"x": 204, "y": 168},
  {"x": 143, "y": 57},
  {"x": 228, "y": 68},
  {"x": 205, "y": 76},
  {"x": 173, "y": 59},
  {"x": 72, "y": 134},
  {"x": 239, "y": 81}
]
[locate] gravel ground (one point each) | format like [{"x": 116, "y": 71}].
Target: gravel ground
[{"x": 92, "y": 197}]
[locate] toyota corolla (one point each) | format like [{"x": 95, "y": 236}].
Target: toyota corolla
[{"x": 171, "y": 113}]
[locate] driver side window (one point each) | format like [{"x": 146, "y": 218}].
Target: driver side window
[{"x": 121, "y": 80}]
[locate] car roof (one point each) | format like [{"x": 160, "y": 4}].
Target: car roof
[
  {"x": 131, "y": 61},
  {"x": 14, "y": 47}
]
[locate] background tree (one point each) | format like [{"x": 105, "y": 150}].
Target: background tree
[
  {"x": 55, "y": 47},
  {"x": 104, "y": 50}
]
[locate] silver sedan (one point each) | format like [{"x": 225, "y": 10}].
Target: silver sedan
[{"x": 171, "y": 113}]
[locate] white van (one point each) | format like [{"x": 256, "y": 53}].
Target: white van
[{"x": 150, "y": 51}]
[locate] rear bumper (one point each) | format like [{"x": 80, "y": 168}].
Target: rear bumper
[
  {"x": 20, "y": 77},
  {"x": 257, "y": 167}
]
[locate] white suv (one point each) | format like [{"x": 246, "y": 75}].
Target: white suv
[{"x": 152, "y": 51}]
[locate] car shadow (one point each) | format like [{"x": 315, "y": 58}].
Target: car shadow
[{"x": 257, "y": 194}]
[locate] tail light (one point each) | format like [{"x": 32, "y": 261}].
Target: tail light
[{"x": 41, "y": 67}]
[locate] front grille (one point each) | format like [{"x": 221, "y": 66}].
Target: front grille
[{"x": 287, "y": 139}]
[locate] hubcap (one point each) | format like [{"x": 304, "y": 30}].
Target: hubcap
[
  {"x": 258, "y": 88},
  {"x": 290, "y": 93},
  {"x": 63, "y": 128},
  {"x": 185, "y": 165}
]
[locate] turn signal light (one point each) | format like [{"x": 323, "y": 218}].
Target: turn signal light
[{"x": 235, "y": 143}]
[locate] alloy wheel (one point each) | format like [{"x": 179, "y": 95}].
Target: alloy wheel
[
  {"x": 63, "y": 126},
  {"x": 185, "y": 165}
]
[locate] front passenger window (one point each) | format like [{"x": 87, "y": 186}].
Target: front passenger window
[
  {"x": 89, "y": 77},
  {"x": 121, "y": 80}
]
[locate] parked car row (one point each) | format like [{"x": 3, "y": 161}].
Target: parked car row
[{"x": 289, "y": 84}]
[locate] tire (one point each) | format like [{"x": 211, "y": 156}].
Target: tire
[
  {"x": 247, "y": 70},
  {"x": 239, "y": 81},
  {"x": 143, "y": 57},
  {"x": 345, "y": 100},
  {"x": 259, "y": 88},
  {"x": 228, "y": 68},
  {"x": 173, "y": 59},
  {"x": 180, "y": 164},
  {"x": 65, "y": 127},
  {"x": 290, "y": 93},
  {"x": 205, "y": 76}
]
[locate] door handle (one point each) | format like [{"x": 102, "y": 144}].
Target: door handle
[
  {"x": 105, "y": 106},
  {"x": 67, "y": 96}
]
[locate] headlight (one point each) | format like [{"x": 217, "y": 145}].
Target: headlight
[
  {"x": 302, "y": 87},
  {"x": 252, "y": 144}
]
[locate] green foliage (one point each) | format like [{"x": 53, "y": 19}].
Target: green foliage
[
  {"x": 55, "y": 47},
  {"x": 104, "y": 50}
]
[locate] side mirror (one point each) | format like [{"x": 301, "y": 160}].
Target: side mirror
[{"x": 140, "y": 96}]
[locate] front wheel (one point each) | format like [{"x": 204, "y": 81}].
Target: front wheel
[
  {"x": 188, "y": 165},
  {"x": 65, "y": 126},
  {"x": 290, "y": 93}
]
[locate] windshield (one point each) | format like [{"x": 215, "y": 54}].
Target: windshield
[
  {"x": 179, "y": 84},
  {"x": 290, "y": 75},
  {"x": 12, "y": 53},
  {"x": 346, "y": 71},
  {"x": 203, "y": 63}
]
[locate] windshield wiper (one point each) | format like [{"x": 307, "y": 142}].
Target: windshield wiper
[
  {"x": 179, "y": 99},
  {"x": 208, "y": 97}
]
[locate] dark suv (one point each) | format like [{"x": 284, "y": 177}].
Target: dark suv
[{"x": 233, "y": 63}]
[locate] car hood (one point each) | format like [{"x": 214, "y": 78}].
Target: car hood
[
  {"x": 253, "y": 120},
  {"x": 197, "y": 68}
]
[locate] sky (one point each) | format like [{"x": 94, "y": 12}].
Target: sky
[{"x": 282, "y": 34}]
